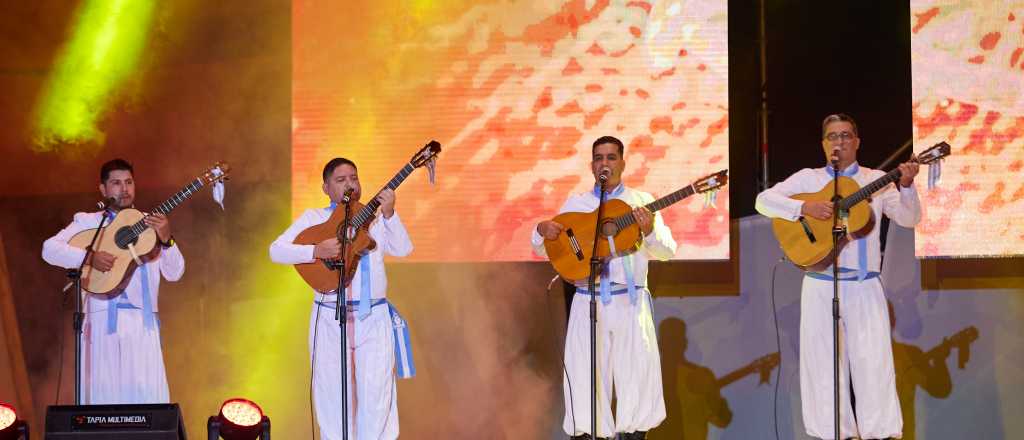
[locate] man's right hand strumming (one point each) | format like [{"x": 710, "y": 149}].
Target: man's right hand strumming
[
  {"x": 818, "y": 210},
  {"x": 329, "y": 249},
  {"x": 549, "y": 229},
  {"x": 102, "y": 261}
]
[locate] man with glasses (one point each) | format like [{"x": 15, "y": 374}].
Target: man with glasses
[{"x": 865, "y": 347}]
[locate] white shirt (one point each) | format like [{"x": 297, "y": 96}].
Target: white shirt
[
  {"x": 657, "y": 245},
  {"x": 389, "y": 233},
  {"x": 169, "y": 263},
  {"x": 901, "y": 206}
]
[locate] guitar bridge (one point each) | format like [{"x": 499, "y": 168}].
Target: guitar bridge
[{"x": 574, "y": 244}]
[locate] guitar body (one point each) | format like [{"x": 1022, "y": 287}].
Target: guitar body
[
  {"x": 808, "y": 241},
  {"x": 96, "y": 281},
  {"x": 570, "y": 252},
  {"x": 319, "y": 274}
]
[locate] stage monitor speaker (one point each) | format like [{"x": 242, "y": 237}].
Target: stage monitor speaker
[{"x": 115, "y": 422}]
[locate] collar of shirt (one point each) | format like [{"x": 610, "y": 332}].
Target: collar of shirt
[
  {"x": 849, "y": 171},
  {"x": 615, "y": 192}
]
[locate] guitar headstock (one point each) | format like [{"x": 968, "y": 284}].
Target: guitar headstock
[
  {"x": 216, "y": 173},
  {"x": 426, "y": 154},
  {"x": 965, "y": 336},
  {"x": 711, "y": 182},
  {"x": 933, "y": 153},
  {"x": 767, "y": 361}
]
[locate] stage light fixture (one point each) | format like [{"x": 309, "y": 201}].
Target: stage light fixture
[
  {"x": 10, "y": 427},
  {"x": 239, "y": 419}
]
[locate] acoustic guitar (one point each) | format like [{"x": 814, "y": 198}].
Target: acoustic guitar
[
  {"x": 322, "y": 275},
  {"x": 129, "y": 239},
  {"x": 570, "y": 252},
  {"x": 807, "y": 242}
]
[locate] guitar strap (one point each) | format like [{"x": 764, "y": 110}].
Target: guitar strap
[
  {"x": 364, "y": 280},
  {"x": 627, "y": 269},
  {"x": 627, "y": 261},
  {"x": 121, "y": 301}
]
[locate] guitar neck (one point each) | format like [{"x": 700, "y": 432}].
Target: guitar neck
[
  {"x": 369, "y": 210},
  {"x": 168, "y": 205},
  {"x": 655, "y": 206},
  {"x": 768, "y": 362},
  {"x": 869, "y": 189}
]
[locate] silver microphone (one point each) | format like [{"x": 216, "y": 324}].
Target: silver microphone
[
  {"x": 347, "y": 197},
  {"x": 603, "y": 175}
]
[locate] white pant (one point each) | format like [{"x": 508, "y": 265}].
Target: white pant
[
  {"x": 627, "y": 355},
  {"x": 865, "y": 354},
  {"x": 126, "y": 366},
  {"x": 373, "y": 409}
]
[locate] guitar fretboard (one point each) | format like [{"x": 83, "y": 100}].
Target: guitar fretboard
[
  {"x": 369, "y": 210},
  {"x": 662, "y": 203},
  {"x": 168, "y": 205},
  {"x": 869, "y": 189}
]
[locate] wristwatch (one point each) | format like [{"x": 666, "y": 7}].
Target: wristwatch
[{"x": 168, "y": 243}]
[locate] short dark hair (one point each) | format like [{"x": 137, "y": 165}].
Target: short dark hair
[
  {"x": 334, "y": 163},
  {"x": 608, "y": 140},
  {"x": 838, "y": 117},
  {"x": 114, "y": 165}
]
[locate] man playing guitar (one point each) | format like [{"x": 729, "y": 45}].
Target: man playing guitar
[
  {"x": 122, "y": 358},
  {"x": 373, "y": 323},
  {"x": 866, "y": 355},
  {"x": 631, "y": 365}
]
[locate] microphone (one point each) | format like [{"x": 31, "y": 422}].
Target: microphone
[
  {"x": 107, "y": 203},
  {"x": 347, "y": 197},
  {"x": 603, "y": 175}
]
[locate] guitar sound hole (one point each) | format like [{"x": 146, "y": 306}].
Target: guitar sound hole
[{"x": 124, "y": 237}]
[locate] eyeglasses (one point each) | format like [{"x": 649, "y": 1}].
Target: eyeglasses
[{"x": 846, "y": 135}]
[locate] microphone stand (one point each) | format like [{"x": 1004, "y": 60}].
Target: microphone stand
[
  {"x": 595, "y": 266},
  {"x": 838, "y": 230},
  {"x": 341, "y": 314},
  {"x": 78, "y": 317}
]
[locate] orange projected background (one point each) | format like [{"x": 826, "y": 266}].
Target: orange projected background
[
  {"x": 516, "y": 92},
  {"x": 968, "y": 77}
]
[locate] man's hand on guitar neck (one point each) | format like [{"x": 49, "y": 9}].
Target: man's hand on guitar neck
[
  {"x": 818, "y": 210},
  {"x": 160, "y": 224},
  {"x": 102, "y": 261},
  {"x": 386, "y": 198},
  {"x": 644, "y": 219},
  {"x": 549, "y": 229},
  {"x": 329, "y": 249},
  {"x": 907, "y": 172}
]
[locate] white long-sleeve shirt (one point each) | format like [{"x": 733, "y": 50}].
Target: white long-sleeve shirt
[
  {"x": 169, "y": 263},
  {"x": 389, "y": 233},
  {"x": 901, "y": 206},
  {"x": 657, "y": 245}
]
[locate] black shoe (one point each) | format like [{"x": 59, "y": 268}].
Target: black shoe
[
  {"x": 586, "y": 437},
  {"x": 638, "y": 435}
]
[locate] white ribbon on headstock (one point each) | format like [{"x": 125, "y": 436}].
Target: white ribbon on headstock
[
  {"x": 218, "y": 187},
  {"x": 431, "y": 172},
  {"x": 711, "y": 196},
  {"x": 934, "y": 173}
]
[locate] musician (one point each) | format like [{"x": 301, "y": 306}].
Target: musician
[
  {"x": 866, "y": 354},
  {"x": 371, "y": 362},
  {"x": 630, "y": 365},
  {"x": 122, "y": 358}
]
